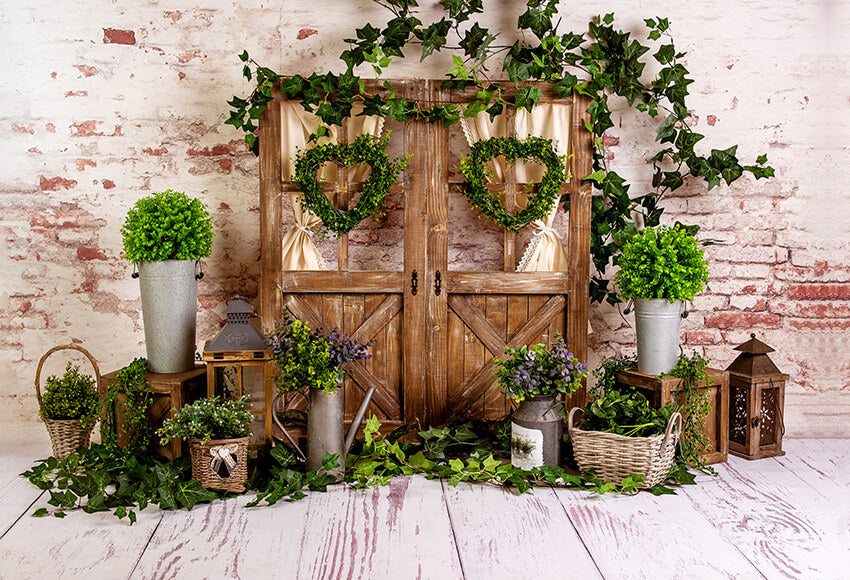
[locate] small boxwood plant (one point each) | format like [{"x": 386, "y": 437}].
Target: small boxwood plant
[
  {"x": 662, "y": 263},
  {"x": 168, "y": 225},
  {"x": 71, "y": 396},
  {"x": 530, "y": 371},
  {"x": 208, "y": 419}
]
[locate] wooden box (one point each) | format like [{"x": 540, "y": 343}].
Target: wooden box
[
  {"x": 171, "y": 390},
  {"x": 662, "y": 390}
]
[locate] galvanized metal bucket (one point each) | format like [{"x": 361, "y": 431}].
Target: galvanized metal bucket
[
  {"x": 658, "y": 323},
  {"x": 536, "y": 431},
  {"x": 169, "y": 306}
]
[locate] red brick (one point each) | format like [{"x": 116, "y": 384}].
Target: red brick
[
  {"x": 819, "y": 291},
  {"x": 50, "y": 128},
  {"x": 174, "y": 15},
  {"x": 87, "y": 71},
  {"x": 711, "y": 120},
  {"x": 155, "y": 152},
  {"x": 742, "y": 320},
  {"x": 693, "y": 337},
  {"x": 813, "y": 309},
  {"x": 306, "y": 33},
  {"x": 55, "y": 183},
  {"x": 108, "y": 184},
  {"x": 608, "y": 141},
  {"x": 84, "y": 253},
  {"x": 809, "y": 324},
  {"x": 86, "y": 129},
  {"x": 223, "y": 206},
  {"x": 220, "y": 149},
  {"x": 24, "y": 129},
  {"x": 190, "y": 54},
  {"x": 226, "y": 165},
  {"x": 83, "y": 163},
  {"x": 76, "y": 94},
  {"x": 118, "y": 36}
]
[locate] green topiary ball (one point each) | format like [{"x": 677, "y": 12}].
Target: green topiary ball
[
  {"x": 71, "y": 396},
  {"x": 167, "y": 226},
  {"x": 662, "y": 263}
]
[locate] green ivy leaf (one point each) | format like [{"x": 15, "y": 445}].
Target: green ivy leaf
[{"x": 244, "y": 56}]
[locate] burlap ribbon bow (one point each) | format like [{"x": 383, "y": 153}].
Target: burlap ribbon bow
[{"x": 224, "y": 454}]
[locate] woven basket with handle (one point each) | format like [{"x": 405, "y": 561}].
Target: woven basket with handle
[
  {"x": 614, "y": 457},
  {"x": 220, "y": 463},
  {"x": 66, "y": 435}
]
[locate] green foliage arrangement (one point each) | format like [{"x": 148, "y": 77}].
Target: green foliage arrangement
[
  {"x": 601, "y": 63},
  {"x": 606, "y": 373},
  {"x": 662, "y": 263},
  {"x": 308, "y": 358},
  {"x": 207, "y": 419},
  {"x": 130, "y": 396},
  {"x": 695, "y": 407},
  {"x": 167, "y": 226},
  {"x": 627, "y": 414},
  {"x": 531, "y": 371},
  {"x": 71, "y": 396},
  {"x": 366, "y": 149},
  {"x": 473, "y": 167}
]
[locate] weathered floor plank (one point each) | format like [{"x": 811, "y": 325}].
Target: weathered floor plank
[
  {"x": 394, "y": 532},
  {"x": 644, "y": 536},
  {"x": 782, "y": 523},
  {"x": 17, "y": 493},
  {"x": 500, "y": 535},
  {"x": 225, "y": 539}
]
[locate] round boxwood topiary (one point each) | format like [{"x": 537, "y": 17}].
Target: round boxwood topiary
[
  {"x": 167, "y": 226},
  {"x": 662, "y": 263},
  {"x": 71, "y": 396}
]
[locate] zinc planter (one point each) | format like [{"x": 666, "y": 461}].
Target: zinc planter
[
  {"x": 169, "y": 292},
  {"x": 657, "y": 324},
  {"x": 536, "y": 431}
]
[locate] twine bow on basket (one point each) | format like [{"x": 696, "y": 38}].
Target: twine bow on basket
[{"x": 223, "y": 459}]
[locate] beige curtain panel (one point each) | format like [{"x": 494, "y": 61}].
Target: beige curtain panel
[
  {"x": 299, "y": 251},
  {"x": 545, "y": 252}
]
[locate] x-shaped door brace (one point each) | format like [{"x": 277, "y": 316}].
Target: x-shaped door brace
[
  {"x": 473, "y": 318},
  {"x": 367, "y": 330}
]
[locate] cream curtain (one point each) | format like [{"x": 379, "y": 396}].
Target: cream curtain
[
  {"x": 299, "y": 251},
  {"x": 545, "y": 252}
]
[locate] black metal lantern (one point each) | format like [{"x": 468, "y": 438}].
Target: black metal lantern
[
  {"x": 756, "y": 402},
  {"x": 238, "y": 363}
]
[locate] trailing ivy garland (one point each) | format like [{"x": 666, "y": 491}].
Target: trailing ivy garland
[
  {"x": 367, "y": 150},
  {"x": 473, "y": 167},
  {"x": 606, "y": 61}
]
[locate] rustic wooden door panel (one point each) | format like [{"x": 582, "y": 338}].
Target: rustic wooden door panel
[{"x": 480, "y": 327}]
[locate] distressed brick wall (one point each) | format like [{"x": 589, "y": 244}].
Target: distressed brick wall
[{"x": 105, "y": 102}]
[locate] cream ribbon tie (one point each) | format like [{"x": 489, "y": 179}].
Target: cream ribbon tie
[{"x": 223, "y": 454}]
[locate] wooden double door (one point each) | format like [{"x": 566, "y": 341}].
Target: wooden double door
[{"x": 435, "y": 330}]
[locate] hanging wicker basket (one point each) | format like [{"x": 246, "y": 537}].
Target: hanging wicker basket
[
  {"x": 66, "y": 435},
  {"x": 614, "y": 457},
  {"x": 220, "y": 463}
]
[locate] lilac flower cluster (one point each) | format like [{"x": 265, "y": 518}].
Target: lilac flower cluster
[
  {"x": 344, "y": 350},
  {"x": 536, "y": 370}
]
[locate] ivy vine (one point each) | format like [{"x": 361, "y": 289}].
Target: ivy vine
[
  {"x": 473, "y": 167},
  {"x": 601, "y": 63},
  {"x": 366, "y": 149},
  {"x": 128, "y": 395}
]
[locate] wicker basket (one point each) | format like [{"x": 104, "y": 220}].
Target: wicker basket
[
  {"x": 211, "y": 467},
  {"x": 614, "y": 457},
  {"x": 66, "y": 435}
]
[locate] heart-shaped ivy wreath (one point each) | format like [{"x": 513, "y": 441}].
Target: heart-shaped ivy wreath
[
  {"x": 367, "y": 150},
  {"x": 473, "y": 167}
]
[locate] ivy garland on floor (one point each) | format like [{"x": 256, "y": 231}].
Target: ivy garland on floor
[
  {"x": 473, "y": 167},
  {"x": 108, "y": 478},
  {"x": 367, "y": 150},
  {"x": 610, "y": 62}
]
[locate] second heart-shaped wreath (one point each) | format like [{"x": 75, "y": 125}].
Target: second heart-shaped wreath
[
  {"x": 366, "y": 150},
  {"x": 473, "y": 167}
]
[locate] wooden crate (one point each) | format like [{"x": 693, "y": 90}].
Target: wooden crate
[
  {"x": 662, "y": 390},
  {"x": 171, "y": 390}
]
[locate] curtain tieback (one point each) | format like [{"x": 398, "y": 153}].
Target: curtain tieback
[
  {"x": 541, "y": 230},
  {"x": 306, "y": 230}
]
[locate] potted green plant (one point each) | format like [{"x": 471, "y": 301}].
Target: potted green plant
[
  {"x": 534, "y": 377},
  {"x": 621, "y": 435},
  {"x": 218, "y": 433},
  {"x": 312, "y": 361},
  {"x": 165, "y": 234},
  {"x": 660, "y": 269},
  {"x": 69, "y": 409}
]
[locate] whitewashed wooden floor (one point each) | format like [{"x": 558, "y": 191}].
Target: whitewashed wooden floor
[{"x": 786, "y": 517}]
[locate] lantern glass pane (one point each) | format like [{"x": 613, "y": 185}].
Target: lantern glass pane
[
  {"x": 252, "y": 383},
  {"x": 738, "y": 401},
  {"x": 768, "y": 422},
  {"x": 226, "y": 382}
]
